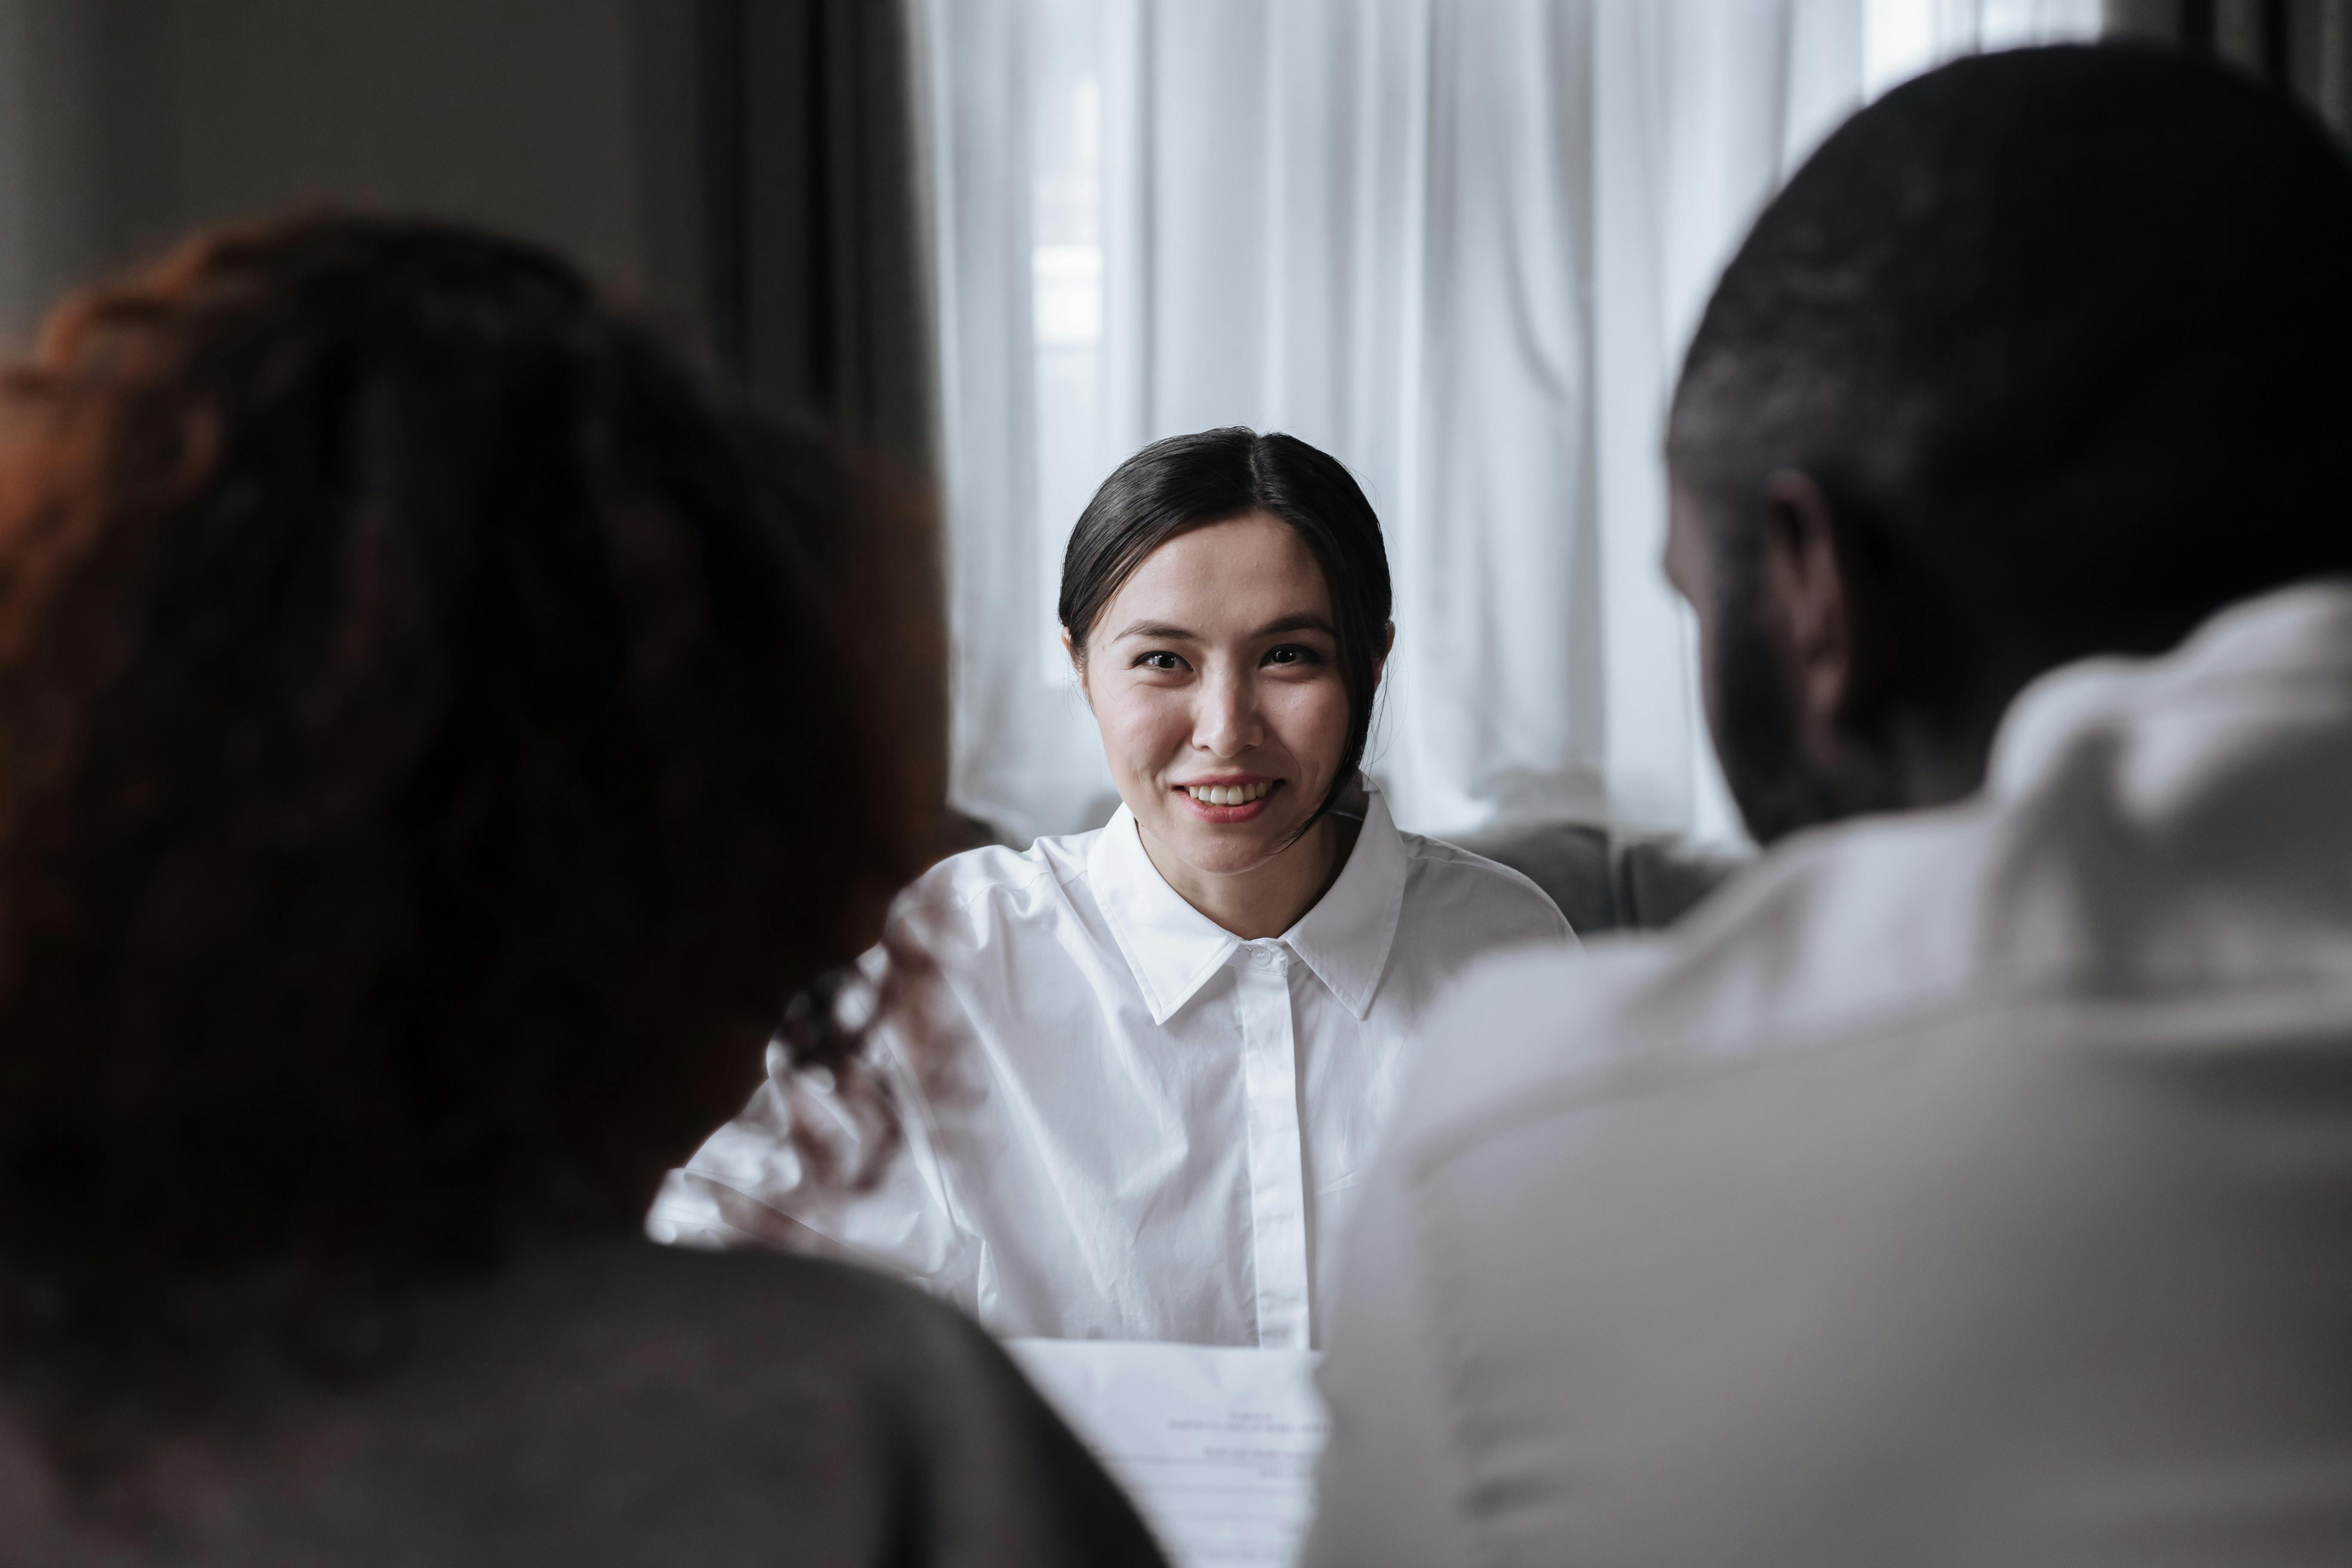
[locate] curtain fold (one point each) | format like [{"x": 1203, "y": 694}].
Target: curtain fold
[
  {"x": 816, "y": 286},
  {"x": 1458, "y": 246},
  {"x": 2304, "y": 45}
]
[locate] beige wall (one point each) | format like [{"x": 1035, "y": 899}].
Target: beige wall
[{"x": 125, "y": 122}]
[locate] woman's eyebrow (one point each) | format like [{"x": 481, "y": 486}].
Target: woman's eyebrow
[
  {"x": 1157, "y": 631},
  {"x": 1298, "y": 624},
  {"x": 1162, "y": 631}
]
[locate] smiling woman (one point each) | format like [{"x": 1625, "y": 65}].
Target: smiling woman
[
  {"x": 1241, "y": 597},
  {"x": 1179, "y": 1034}
]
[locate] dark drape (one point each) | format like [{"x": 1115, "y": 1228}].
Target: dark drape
[
  {"x": 2304, "y": 45},
  {"x": 815, "y": 283}
]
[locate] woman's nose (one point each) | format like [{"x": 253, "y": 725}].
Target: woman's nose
[{"x": 1227, "y": 722}]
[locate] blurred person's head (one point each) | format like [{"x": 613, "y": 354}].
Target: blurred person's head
[
  {"x": 438, "y": 736},
  {"x": 1226, "y": 599},
  {"x": 2041, "y": 356}
]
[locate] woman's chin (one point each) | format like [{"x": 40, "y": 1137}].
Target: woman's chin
[{"x": 1228, "y": 848}]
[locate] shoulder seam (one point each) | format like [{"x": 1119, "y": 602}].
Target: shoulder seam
[
  {"x": 1573, "y": 1089},
  {"x": 961, "y": 902},
  {"x": 1471, "y": 860}
]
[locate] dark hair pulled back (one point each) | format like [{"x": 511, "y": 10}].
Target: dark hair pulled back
[{"x": 1184, "y": 482}]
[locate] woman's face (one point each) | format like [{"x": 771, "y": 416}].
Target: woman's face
[{"x": 1214, "y": 673}]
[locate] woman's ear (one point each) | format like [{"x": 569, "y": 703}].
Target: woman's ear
[
  {"x": 1388, "y": 647},
  {"x": 1078, "y": 665}
]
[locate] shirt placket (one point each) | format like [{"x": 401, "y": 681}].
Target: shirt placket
[{"x": 1276, "y": 1166}]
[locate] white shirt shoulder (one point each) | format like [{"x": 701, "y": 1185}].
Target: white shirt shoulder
[
  {"x": 994, "y": 882},
  {"x": 1463, "y": 883},
  {"x": 1916, "y": 1102}
]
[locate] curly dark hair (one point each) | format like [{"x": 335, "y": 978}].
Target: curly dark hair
[{"x": 439, "y": 734}]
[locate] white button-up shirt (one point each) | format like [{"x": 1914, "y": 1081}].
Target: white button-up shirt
[
  {"x": 1125, "y": 1121},
  {"x": 1958, "y": 1187}
]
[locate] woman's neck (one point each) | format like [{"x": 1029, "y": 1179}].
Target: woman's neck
[{"x": 1268, "y": 898}]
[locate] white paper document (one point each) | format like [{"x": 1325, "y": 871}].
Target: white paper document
[{"x": 1217, "y": 1445}]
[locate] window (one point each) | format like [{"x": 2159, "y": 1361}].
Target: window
[{"x": 1457, "y": 245}]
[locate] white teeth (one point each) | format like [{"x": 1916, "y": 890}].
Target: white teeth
[{"x": 1228, "y": 794}]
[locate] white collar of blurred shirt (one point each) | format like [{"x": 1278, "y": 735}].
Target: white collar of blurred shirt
[
  {"x": 1173, "y": 948},
  {"x": 1121, "y": 1121}
]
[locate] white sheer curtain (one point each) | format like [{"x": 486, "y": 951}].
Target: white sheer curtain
[{"x": 1457, "y": 243}]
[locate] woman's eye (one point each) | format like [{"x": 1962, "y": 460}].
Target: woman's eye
[
  {"x": 1292, "y": 652},
  {"x": 1160, "y": 661}
]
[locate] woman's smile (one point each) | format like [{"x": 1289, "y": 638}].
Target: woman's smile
[{"x": 1222, "y": 801}]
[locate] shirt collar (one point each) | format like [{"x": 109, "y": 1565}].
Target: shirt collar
[
  {"x": 1346, "y": 937},
  {"x": 2299, "y": 637},
  {"x": 1173, "y": 948}
]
